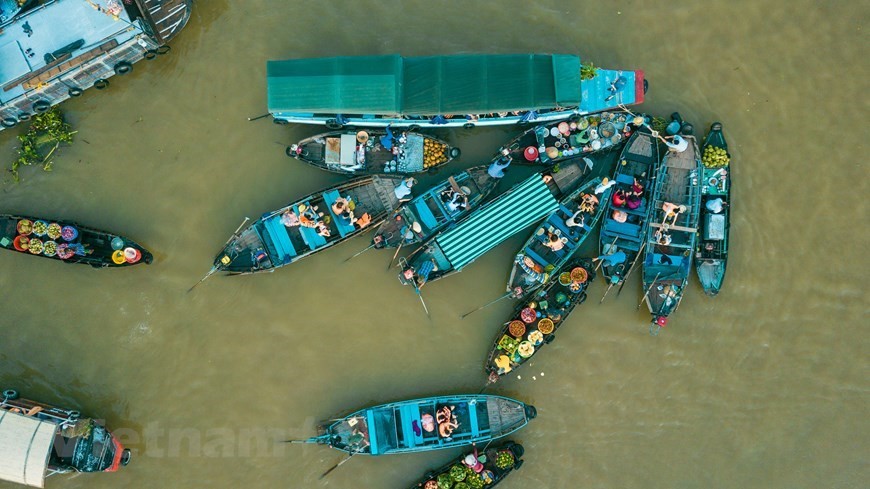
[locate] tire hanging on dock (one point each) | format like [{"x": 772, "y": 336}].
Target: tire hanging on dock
[
  {"x": 123, "y": 67},
  {"x": 101, "y": 83},
  {"x": 41, "y": 106},
  {"x": 333, "y": 124},
  {"x": 75, "y": 91},
  {"x": 163, "y": 49},
  {"x": 149, "y": 54},
  {"x": 9, "y": 122}
]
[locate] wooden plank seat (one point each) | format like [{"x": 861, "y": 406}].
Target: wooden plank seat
[
  {"x": 309, "y": 235},
  {"x": 281, "y": 240},
  {"x": 625, "y": 179},
  {"x": 528, "y": 251},
  {"x": 625, "y": 229},
  {"x": 425, "y": 214}
]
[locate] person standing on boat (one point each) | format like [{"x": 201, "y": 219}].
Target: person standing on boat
[
  {"x": 716, "y": 205},
  {"x": 678, "y": 144},
  {"x": 497, "y": 168},
  {"x": 403, "y": 190}
]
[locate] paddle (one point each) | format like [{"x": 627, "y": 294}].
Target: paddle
[
  {"x": 605, "y": 293},
  {"x": 359, "y": 253},
  {"x": 409, "y": 234},
  {"x": 339, "y": 464},
  {"x": 609, "y": 248},
  {"x": 417, "y": 289},
  {"x": 259, "y": 117},
  {"x": 508, "y": 294},
  {"x": 214, "y": 268},
  {"x": 647, "y": 291},
  {"x": 210, "y": 272},
  {"x": 630, "y": 269}
]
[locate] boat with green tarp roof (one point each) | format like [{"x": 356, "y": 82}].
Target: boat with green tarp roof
[{"x": 443, "y": 91}]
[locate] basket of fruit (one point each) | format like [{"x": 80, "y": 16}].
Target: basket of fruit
[
  {"x": 546, "y": 326},
  {"x": 565, "y": 278},
  {"x": 715, "y": 157},
  {"x": 20, "y": 243},
  {"x": 431, "y": 484},
  {"x": 434, "y": 153},
  {"x": 528, "y": 315},
  {"x": 49, "y": 248},
  {"x": 458, "y": 472},
  {"x": 64, "y": 252},
  {"x": 579, "y": 275},
  {"x": 25, "y": 227},
  {"x": 54, "y": 230},
  {"x": 517, "y": 329},
  {"x": 445, "y": 481},
  {"x": 508, "y": 344},
  {"x": 35, "y": 246},
  {"x": 504, "y": 459},
  {"x": 40, "y": 228}
]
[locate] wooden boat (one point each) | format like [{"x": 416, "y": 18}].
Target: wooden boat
[
  {"x": 711, "y": 256},
  {"x": 463, "y": 90},
  {"x": 526, "y": 333},
  {"x": 637, "y": 163},
  {"x": 537, "y": 261},
  {"x": 38, "y": 440},
  {"x": 297, "y": 230},
  {"x": 433, "y": 210},
  {"x": 671, "y": 236},
  {"x": 496, "y": 463},
  {"x": 418, "y": 426},
  {"x": 555, "y": 141},
  {"x": 373, "y": 151},
  {"x": 450, "y": 250},
  {"x": 51, "y": 50},
  {"x": 69, "y": 242}
]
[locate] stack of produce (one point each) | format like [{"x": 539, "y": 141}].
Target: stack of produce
[
  {"x": 434, "y": 153},
  {"x": 715, "y": 157}
]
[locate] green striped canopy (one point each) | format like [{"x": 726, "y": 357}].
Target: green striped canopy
[{"x": 527, "y": 203}]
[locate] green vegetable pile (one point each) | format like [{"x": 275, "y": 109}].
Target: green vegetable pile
[
  {"x": 715, "y": 157},
  {"x": 458, "y": 472}
]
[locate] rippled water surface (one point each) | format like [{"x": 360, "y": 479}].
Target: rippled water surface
[{"x": 764, "y": 386}]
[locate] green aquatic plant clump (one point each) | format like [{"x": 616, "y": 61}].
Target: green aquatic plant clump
[
  {"x": 46, "y": 133},
  {"x": 588, "y": 71}
]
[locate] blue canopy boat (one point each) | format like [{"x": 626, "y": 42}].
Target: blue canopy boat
[
  {"x": 443, "y": 91},
  {"x": 556, "y": 141},
  {"x": 432, "y": 211},
  {"x": 309, "y": 225},
  {"x": 494, "y": 464},
  {"x": 535, "y": 321},
  {"x": 712, "y": 254},
  {"x": 621, "y": 241},
  {"x": 373, "y": 151},
  {"x": 555, "y": 241},
  {"x": 452, "y": 249},
  {"x": 672, "y": 230},
  {"x": 419, "y": 425},
  {"x": 51, "y": 50}
]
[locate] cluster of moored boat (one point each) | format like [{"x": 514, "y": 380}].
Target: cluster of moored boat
[{"x": 661, "y": 203}]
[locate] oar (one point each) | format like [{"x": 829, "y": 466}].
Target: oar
[
  {"x": 609, "y": 248},
  {"x": 605, "y": 293},
  {"x": 338, "y": 464},
  {"x": 421, "y": 300},
  {"x": 631, "y": 269},
  {"x": 647, "y": 291},
  {"x": 259, "y": 117},
  {"x": 414, "y": 229},
  {"x": 510, "y": 293},
  {"x": 360, "y": 253},
  {"x": 209, "y": 274},
  {"x": 398, "y": 248}
]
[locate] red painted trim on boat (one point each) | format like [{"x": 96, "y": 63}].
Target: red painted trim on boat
[
  {"x": 119, "y": 452},
  {"x": 638, "y": 87}
]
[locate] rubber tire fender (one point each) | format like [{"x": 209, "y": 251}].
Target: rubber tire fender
[
  {"x": 10, "y": 394},
  {"x": 75, "y": 92},
  {"x": 101, "y": 83},
  {"x": 41, "y": 106},
  {"x": 149, "y": 54},
  {"x": 123, "y": 67},
  {"x": 9, "y": 122},
  {"x": 332, "y": 124}
]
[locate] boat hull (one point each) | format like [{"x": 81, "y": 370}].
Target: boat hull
[
  {"x": 492, "y": 473},
  {"x": 711, "y": 257}
]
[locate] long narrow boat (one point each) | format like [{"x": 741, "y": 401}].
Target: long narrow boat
[
  {"x": 300, "y": 229},
  {"x": 69, "y": 242},
  {"x": 51, "y": 50},
  {"x": 535, "y": 321},
  {"x": 444, "y": 91},
  {"x": 550, "y": 143},
  {"x": 672, "y": 231},
  {"x": 539, "y": 258},
  {"x": 624, "y": 228},
  {"x": 373, "y": 151},
  {"x": 476, "y": 469},
  {"x": 419, "y": 425},
  {"x": 712, "y": 254},
  {"x": 452, "y": 249},
  {"x": 435, "y": 209},
  {"x": 38, "y": 440}
]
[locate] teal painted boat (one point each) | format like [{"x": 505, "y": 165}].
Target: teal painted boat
[
  {"x": 711, "y": 257},
  {"x": 307, "y": 226},
  {"x": 485, "y": 468},
  {"x": 437, "y": 208},
  {"x": 52, "y": 50},
  {"x": 624, "y": 229},
  {"x": 373, "y": 151},
  {"x": 462, "y": 90},
  {"x": 450, "y": 250},
  {"x": 672, "y": 231},
  {"x": 420, "y": 425},
  {"x": 535, "y": 321},
  {"x": 559, "y": 236}
]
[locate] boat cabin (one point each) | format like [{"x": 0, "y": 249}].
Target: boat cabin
[{"x": 38, "y": 440}]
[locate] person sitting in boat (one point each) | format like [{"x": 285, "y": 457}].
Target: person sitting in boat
[
  {"x": 633, "y": 201},
  {"x": 289, "y": 218},
  {"x": 717, "y": 205},
  {"x": 577, "y": 220},
  {"x": 663, "y": 239},
  {"x": 588, "y": 203},
  {"x": 458, "y": 202},
  {"x": 612, "y": 259},
  {"x": 309, "y": 215},
  {"x": 361, "y": 222},
  {"x": 619, "y": 198},
  {"x": 554, "y": 242},
  {"x": 446, "y": 421},
  {"x": 340, "y": 206},
  {"x": 403, "y": 190},
  {"x": 322, "y": 229},
  {"x": 473, "y": 461},
  {"x": 636, "y": 188},
  {"x": 428, "y": 423}
]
